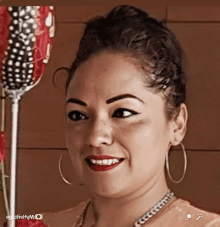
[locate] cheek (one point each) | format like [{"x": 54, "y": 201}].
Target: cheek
[
  {"x": 136, "y": 133},
  {"x": 145, "y": 138},
  {"x": 74, "y": 139},
  {"x": 74, "y": 143},
  {"x": 132, "y": 137}
]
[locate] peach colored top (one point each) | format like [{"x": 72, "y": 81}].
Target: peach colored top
[{"x": 174, "y": 214}]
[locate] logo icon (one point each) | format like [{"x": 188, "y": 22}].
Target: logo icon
[
  {"x": 199, "y": 216},
  {"x": 38, "y": 216},
  {"x": 188, "y": 216}
]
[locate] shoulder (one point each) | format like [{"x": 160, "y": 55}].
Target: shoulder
[
  {"x": 67, "y": 217},
  {"x": 189, "y": 215}
]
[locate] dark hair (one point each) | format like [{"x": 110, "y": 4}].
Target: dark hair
[{"x": 130, "y": 31}]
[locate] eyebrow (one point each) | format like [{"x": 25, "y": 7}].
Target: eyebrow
[
  {"x": 77, "y": 101},
  {"x": 111, "y": 100},
  {"x": 123, "y": 96}
]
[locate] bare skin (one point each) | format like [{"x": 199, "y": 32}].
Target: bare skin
[{"x": 134, "y": 128}]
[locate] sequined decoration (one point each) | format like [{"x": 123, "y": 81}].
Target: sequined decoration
[
  {"x": 18, "y": 67},
  {"x": 27, "y": 44}
]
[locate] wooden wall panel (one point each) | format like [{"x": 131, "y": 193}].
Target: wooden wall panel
[
  {"x": 201, "y": 45},
  {"x": 201, "y": 185},
  {"x": 77, "y": 14},
  {"x": 196, "y": 13}
]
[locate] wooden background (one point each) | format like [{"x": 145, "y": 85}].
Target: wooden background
[{"x": 41, "y": 119}]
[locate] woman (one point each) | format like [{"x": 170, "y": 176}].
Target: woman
[{"x": 125, "y": 109}]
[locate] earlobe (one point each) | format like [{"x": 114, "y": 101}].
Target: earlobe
[{"x": 180, "y": 125}]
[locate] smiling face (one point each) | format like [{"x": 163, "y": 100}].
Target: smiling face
[{"x": 110, "y": 112}]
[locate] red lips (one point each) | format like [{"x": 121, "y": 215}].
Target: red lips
[
  {"x": 102, "y": 167},
  {"x": 100, "y": 157}
]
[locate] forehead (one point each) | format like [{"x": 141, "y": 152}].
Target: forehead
[{"x": 106, "y": 73}]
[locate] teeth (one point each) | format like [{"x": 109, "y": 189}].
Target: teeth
[
  {"x": 93, "y": 161},
  {"x": 104, "y": 161},
  {"x": 99, "y": 162}
]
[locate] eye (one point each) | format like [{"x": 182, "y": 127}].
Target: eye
[
  {"x": 123, "y": 113},
  {"x": 76, "y": 116}
]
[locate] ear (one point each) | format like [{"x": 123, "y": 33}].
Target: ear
[{"x": 179, "y": 125}]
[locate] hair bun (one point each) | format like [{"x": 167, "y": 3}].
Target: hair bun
[{"x": 122, "y": 11}]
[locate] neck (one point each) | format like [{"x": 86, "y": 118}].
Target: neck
[{"x": 125, "y": 211}]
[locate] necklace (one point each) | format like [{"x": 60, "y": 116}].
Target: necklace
[{"x": 144, "y": 218}]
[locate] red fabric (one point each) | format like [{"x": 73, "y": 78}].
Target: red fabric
[
  {"x": 29, "y": 223},
  {"x": 42, "y": 40},
  {"x": 2, "y": 146},
  {"x": 4, "y": 23}
]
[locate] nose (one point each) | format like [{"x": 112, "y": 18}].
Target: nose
[{"x": 100, "y": 133}]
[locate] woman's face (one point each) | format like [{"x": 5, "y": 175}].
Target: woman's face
[{"x": 110, "y": 112}]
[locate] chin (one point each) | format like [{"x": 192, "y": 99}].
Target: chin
[
  {"x": 106, "y": 195},
  {"x": 109, "y": 192}
]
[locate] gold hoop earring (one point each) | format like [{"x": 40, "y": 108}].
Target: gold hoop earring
[
  {"x": 66, "y": 181},
  {"x": 185, "y": 166}
]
